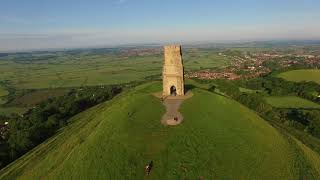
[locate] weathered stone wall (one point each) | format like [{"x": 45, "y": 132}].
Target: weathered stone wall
[{"x": 173, "y": 70}]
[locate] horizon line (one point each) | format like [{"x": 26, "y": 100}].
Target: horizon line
[{"x": 128, "y": 45}]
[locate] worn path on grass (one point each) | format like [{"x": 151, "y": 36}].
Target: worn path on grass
[{"x": 172, "y": 104}]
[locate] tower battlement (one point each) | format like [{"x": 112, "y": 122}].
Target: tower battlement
[{"x": 172, "y": 48}]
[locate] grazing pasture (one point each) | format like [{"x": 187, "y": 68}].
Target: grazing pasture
[
  {"x": 301, "y": 75},
  {"x": 37, "y": 96},
  {"x": 291, "y": 102},
  {"x": 116, "y": 139},
  {"x": 62, "y": 69},
  {"x": 245, "y": 90},
  {"x": 12, "y": 110},
  {"x": 3, "y": 93}
]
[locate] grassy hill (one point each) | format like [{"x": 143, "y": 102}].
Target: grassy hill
[
  {"x": 219, "y": 139},
  {"x": 302, "y": 75}
]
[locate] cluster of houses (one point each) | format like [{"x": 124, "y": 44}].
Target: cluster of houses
[
  {"x": 206, "y": 74},
  {"x": 253, "y": 66}
]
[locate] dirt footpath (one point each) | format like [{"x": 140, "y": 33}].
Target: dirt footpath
[
  {"x": 172, "y": 104},
  {"x": 172, "y": 111}
]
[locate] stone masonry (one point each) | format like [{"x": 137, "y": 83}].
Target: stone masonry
[{"x": 173, "y": 74}]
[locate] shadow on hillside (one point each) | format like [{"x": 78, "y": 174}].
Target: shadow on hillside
[
  {"x": 213, "y": 88},
  {"x": 188, "y": 87},
  {"x": 301, "y": 108},
  {"x": 220, "y": 94}
]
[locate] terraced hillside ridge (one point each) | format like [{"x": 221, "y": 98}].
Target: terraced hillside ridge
[
  {"x": 302, "y": 75},
  {"x": 218, "y": 139}
]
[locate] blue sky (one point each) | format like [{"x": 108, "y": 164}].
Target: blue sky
[{"x": 41, "y": 24}]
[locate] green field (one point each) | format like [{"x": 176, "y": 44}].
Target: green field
[
  {"x": 21, "y": 104},
  {"x": 291, "y": 102},
  {"x": 116, "y": 139},
  {"x": 3, "y": 92},
  {"x": 3, "y": 100},
  {"x": 32, "y": 98},
  {"x": 12, "y": 110},
  {"x": 65, "y": 70},
  {"x": 302, "y": 75},
  {"x": 245, "y": 90}
]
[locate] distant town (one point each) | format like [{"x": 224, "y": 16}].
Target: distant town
[
  {"x": 254, "y": 65},
  {"x": 243, "y": 64}
]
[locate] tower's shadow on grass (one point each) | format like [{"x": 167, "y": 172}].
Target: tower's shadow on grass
[{"x": 189, "y": 87}]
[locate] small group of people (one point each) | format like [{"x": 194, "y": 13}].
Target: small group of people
[{"x": 148, "y": 168}]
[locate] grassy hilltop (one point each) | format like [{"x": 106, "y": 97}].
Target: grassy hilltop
[{"x": 219, "y": 139}]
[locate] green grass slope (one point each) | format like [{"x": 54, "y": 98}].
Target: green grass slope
[
  {"x": 219, "y": 139},
  {"x": 302, "y": 75},
  {"x": 291, "y": 102},
  {"x": 12, "y": 110},
  {"x": 3, "y": 92}
]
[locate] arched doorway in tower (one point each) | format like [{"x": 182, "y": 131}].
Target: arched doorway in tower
[{"x": 173, "y": 91}]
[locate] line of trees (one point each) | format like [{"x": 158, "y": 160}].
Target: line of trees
[
  {"x": 43, "y": 121},
  {"x": 279, "y": 87}
]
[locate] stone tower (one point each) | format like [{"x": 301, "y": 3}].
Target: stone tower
[{"x": 173, "y": 79}]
